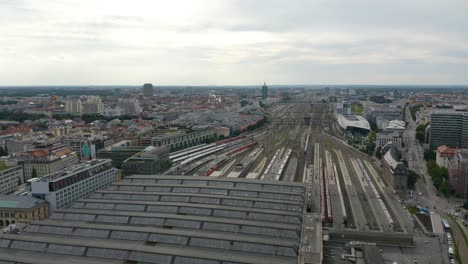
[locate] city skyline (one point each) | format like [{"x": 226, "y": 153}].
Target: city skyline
[{"x": 233, "y": 42}]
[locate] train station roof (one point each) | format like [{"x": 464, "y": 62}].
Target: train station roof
[
  {"x": 353, "y": 121},
  {"x": 170, "y": 219}
]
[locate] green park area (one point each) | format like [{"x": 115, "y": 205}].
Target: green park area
[{"x": 357, "y": 108}]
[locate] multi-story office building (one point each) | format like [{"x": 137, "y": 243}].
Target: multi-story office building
[
  {"x": 448, "y": 128},
  {"x": 62, "y": 189},
  {"x": 22, "y": 209},
  {"x": 381, "y": 139},
  {"x": 119, "y": 152},
  {"x": 85, "y": 146},
  {"x": 147, "y": 89},
  {"x": 10, "y": 176},
  {"x": 46, "y": 161},
  {"x": 183, "y": 139},
  {"x": 147, "y": 161}
]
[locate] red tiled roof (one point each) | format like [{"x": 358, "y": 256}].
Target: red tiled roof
[
  {"x": 12, "y": 129},
  {"x": 39, "y": 153},
  {"x": 446, "y": 150}
]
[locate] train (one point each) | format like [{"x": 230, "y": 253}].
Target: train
[
  {"x": 446, "y": 225},
  {"x": 189, "y": 151},
  {"x": 323, "y": 203},
  {"x": 225, "y": 141},
  {"x": 199, "y": 155},
  {"x": 377, "y": 195},
  {"x": 306, "y": 144},
  {"x": 210, "y": 171},
  {"x": 178, "y": 155},
  {"x": 325, "y": 198},
  {"x": 328, "y": 208},
  {"x": 268, "y": 168},
  {"x": 343, "y": 207},
  {"x": 244, "y": 147},
  {"x": 283, "y": 164}
]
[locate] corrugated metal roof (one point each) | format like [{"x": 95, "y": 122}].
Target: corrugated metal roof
[{"x": 175, "y": 219}]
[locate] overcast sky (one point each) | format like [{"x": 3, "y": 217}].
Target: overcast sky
[{"x": 223, "y": 42}]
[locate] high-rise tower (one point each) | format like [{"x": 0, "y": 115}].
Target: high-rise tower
[
  {"x": 264, "y": 91},
  {"x": 147, "y": 89}
]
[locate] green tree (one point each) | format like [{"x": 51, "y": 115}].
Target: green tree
[
  {"x": 465, "y": 205},
  {"x": 166, "y": 165},
  {"x": 412, "y": 178},
  {"x": 357, "y": 108},
  {"x": 373, "y": 126},
  {"x": 378, "y": 153},
  {"x": 430, "y": 166},
  {"x": 429, "y": 155},
  {"x": 370, "y": 147},
  {"x": 421, "y": 133},
  {"x": 42, "y": 126},
  {"x": 445, "y": 188},
  {"x": 34, "y": 173},
  {"x": 2, "y": 151},
  {"x": 437, "y": 173}
]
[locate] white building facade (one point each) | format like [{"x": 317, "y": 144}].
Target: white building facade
[{"x": 62, "y": 189}]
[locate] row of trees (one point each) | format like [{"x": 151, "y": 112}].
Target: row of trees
[
  {"x": 439, "y": 177},
  {"x": 414, "y": 109},
  {"x": 88, "y": 118},
  {"x": 8, "y": 102},
  {"x": 370, "y": 147},
  {"x": 421, "y": 133},
  {"x": 404, "y": 112},
  {"x": 20, "y": 117}
]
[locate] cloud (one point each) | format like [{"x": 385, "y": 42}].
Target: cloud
[{"x": 232, "y": 42}]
